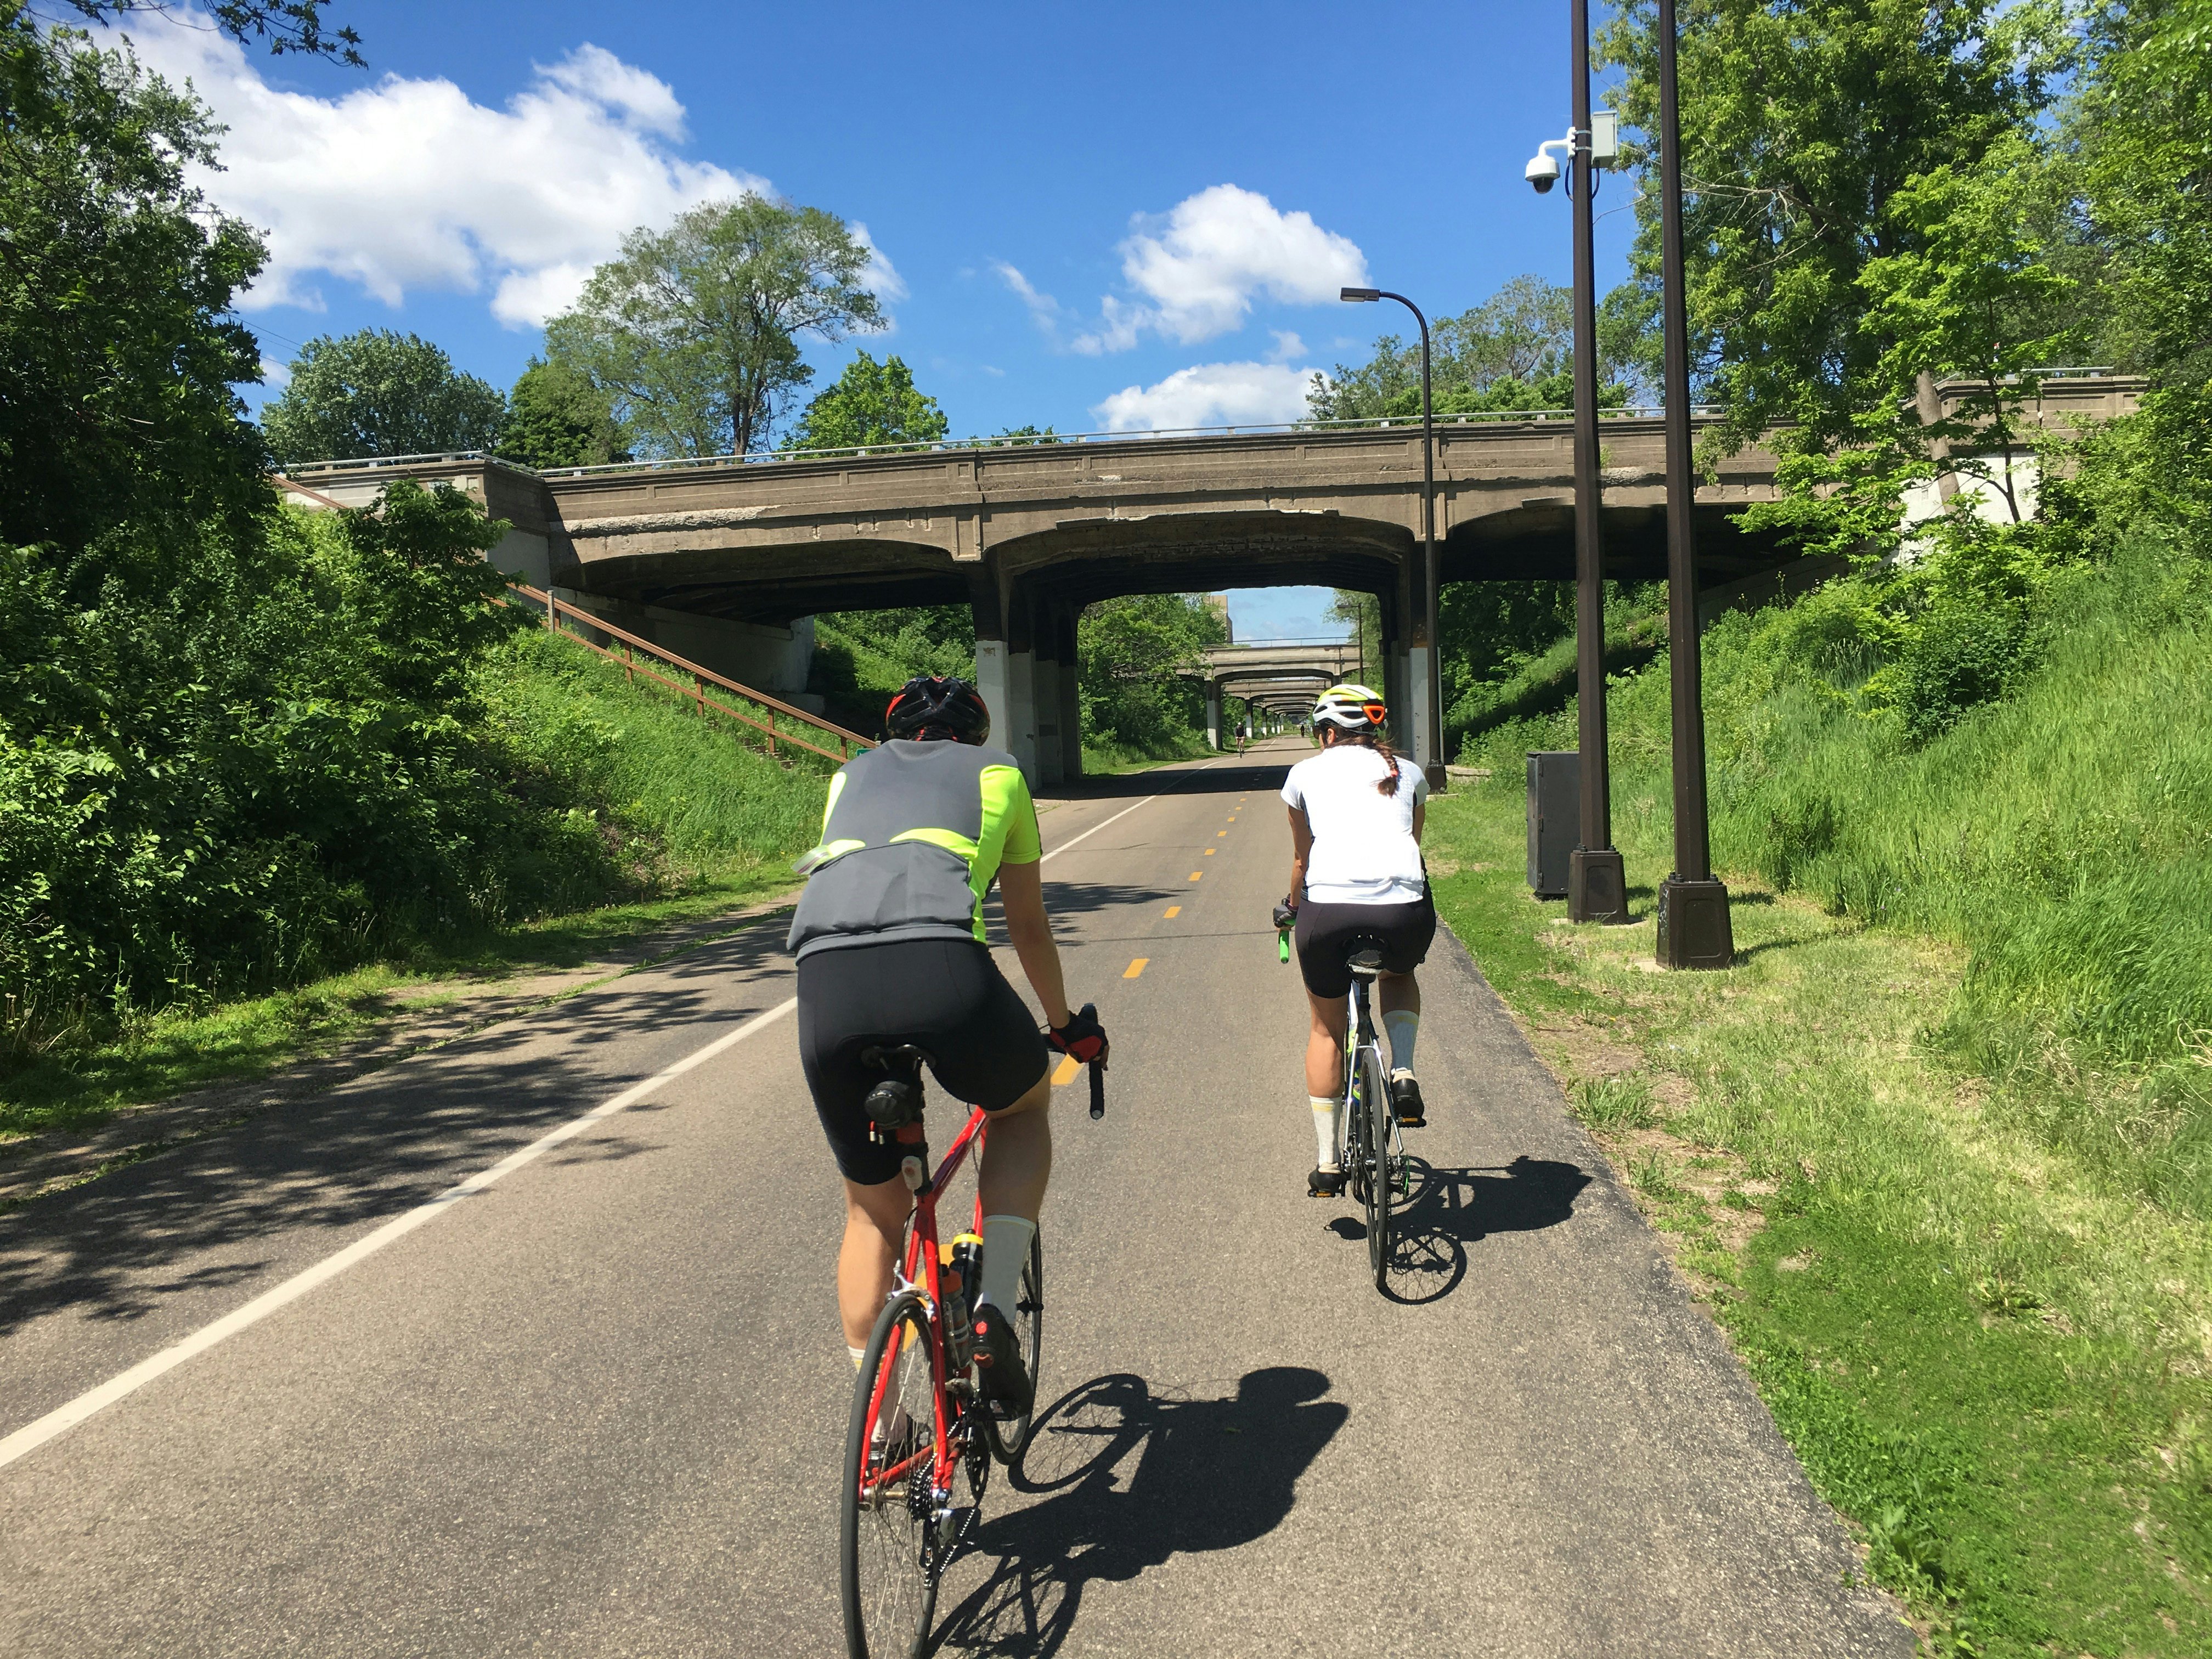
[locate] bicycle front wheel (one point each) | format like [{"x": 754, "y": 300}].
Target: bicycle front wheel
[
  {"x": 1008, "y": 1437},
  {"x": 1382, "y": 1182},
  {"x": 890, "y": 1553}
]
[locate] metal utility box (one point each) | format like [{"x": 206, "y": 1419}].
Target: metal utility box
[{"x": 1555, "y": 783}]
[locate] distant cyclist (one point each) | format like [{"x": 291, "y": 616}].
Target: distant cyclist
[
  {"x": 890, "y": 944},
  {"x": 1356, "y": 817}
]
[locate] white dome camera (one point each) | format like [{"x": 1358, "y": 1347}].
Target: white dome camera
[{"x": 1542, "y": 172}]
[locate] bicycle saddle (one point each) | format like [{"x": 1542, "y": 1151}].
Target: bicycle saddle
[
  {"x": 1365, "y": 955},
  {"x": 896, "y": 1102}
]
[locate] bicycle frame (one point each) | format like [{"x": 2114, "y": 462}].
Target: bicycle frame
[
  {"x": 1360, "y": 1039},
  {"x": 920, "y": 1272}
]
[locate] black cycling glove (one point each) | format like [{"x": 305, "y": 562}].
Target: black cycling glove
[
  {"x": 1082, "y": 1037},
  {"x": 1287, "y": 916}
]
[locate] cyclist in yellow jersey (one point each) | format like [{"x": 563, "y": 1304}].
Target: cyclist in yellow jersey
[{"x": 891, "y": 950}]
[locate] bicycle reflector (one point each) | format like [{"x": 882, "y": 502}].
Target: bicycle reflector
[{"x": 1376, "y": 712}]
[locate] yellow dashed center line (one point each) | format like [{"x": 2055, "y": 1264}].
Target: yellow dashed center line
[
  {"x": 1136, "y": 968},
  {"x": 1196, "y": 874},
  {"x": 1209, "y": 852},
  {"x": 1219, "y": 834},
  {"x": 1064, "y": 1072},
  {"x": 1173, "y": 910}
]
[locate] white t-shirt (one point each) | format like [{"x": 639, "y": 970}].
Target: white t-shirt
[{"x": 1364, "y": 850}]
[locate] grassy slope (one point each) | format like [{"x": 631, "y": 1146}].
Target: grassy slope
[
  {"x": 1940, "y": 1174},
  {"x": 705, "y": 825}
]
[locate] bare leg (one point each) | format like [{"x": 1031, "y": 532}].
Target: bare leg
[
  {"x": 1325, "y": 1047},
  {"x": 875, "y": 1227},
  {"x": 1398, "y": 993},
  {"x": 1016, "y": 1163}
]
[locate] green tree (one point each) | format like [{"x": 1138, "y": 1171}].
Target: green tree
[
  {"x": 871, "y": 402},
  {"x": 379, "y": 393},
  {"x": 1804, "y": 125},
  {"x": 693, "y": 331},
  {"x": 1515, "y": 351},
  {"x": 1131, "y": 654},
  {"x": 289, "y": 26},
  {"x": 1020, "y": 436},
  {"x": 556, "y": 417},
  {"x": 117, "y": 348}
]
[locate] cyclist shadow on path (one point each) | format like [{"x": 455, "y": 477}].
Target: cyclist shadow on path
[
  {"x": 1451, "y": 1209},
  {"x": 1130, "y": 1478}
]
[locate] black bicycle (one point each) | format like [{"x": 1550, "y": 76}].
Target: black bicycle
[{"x": 1370, "y": 1149}]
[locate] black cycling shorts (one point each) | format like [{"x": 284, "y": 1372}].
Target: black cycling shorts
[
  {"x": 945, "y": 996},
  {"x": 1326, "y": 931}
]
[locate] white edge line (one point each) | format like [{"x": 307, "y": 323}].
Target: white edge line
[{"x": 63, "y": 1419}]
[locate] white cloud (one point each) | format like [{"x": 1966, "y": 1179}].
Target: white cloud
[
  {"x": 881, "y": 276},
  {"x": 1287, "y": 346},
  {"x": 1199, "y": 269},
  {"x": 1209, "y": 394},
  {"x": 1043, "y": 308},
  {"x": 409, "y": 183},
  {"x": 275, "y": 375}
]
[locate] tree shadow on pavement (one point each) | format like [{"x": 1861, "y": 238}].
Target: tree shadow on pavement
[
  {"x": 1129, "y": 1478},
  {"x": 286, "y": 1187},
  {"x": 1451, "y": 1209}
]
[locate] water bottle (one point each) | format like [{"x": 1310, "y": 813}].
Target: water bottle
[{"x": 959, "y": 1278}]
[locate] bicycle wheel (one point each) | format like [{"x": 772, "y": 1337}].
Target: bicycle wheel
[
  {"x": 1354, "y": 1136},
  {"x": 890, "y": 1555},
  {"x": 1007, "y": 1438},
  {"x": 1380, "y": 1114}
]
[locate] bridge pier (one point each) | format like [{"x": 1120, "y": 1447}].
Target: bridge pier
[
  {"x": 1071, "y": 697},
  {"x": 1213, "y": 714},
  {"x": 1051, "y": 761}
]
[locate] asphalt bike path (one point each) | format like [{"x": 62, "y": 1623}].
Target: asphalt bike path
[{"x": 595, "y": 1407}]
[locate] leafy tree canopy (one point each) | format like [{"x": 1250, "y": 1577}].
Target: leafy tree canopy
[
  {"x": 1128, "y": 651},
  {"x": 556, "y": 417},
  {"x": 117, "y": 353},
  {"x": 379, "y": 393},
  {"x": 286, "y": 25},
  {"x": 1515, "y": 351},
  {"x": 871, "y": 402},
  {"x": 693, "y": 331}
]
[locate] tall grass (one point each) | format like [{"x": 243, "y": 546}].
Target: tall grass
[
  {"x": 2061, "y": 834},
  {"x": 683, "y": 799}
]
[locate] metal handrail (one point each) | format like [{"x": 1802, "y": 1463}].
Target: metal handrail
[
  {"x": 963, "y": 445},
  {"x": 553, "y": 608}
]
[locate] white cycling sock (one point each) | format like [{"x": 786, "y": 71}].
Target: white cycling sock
[
  {"x": 859, "y": 1354},
  {"x": 1006, "y": 1251},
  {"x": 1326, "y": 1113},
  {"x": 1402, "y": 1025}
]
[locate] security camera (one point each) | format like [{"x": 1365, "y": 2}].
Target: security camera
[{"x": 1542, "y": 172}]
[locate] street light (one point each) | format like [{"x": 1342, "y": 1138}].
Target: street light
[
  {"x": 1597, "y": 885},
  {"x": 1429, "y": 737},
  {"x": 1695, "y": 927}
]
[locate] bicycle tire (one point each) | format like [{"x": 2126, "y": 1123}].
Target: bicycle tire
[
  {"x": 1008, "y": 1439},
  {"x": 1354, "y": 1158},
  {"x": 1381, "y": 1114},
  {"x": 889, "y": 1559}
]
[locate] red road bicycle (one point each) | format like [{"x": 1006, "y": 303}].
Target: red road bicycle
[{"x": 921, "y": 1434}]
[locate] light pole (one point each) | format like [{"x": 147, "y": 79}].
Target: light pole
[
  {"x": 1694, "y": 928},
  {"x": 1597, "y": 885},
  {"x": 1429, "y": 737}
]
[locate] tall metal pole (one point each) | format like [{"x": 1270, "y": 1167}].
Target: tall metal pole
[
  {"x": 1428, "y": 631},
  {"x": 1694, "y": 929},
  {"x": 1597, "y": 886}
]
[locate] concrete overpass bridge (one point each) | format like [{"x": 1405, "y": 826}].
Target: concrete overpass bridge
[
  {"x": 1274, "y": 673},
  {"x": 743, "y": 549}
]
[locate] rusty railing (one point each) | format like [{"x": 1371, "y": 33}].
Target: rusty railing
[{"x": 552, "y": 609}]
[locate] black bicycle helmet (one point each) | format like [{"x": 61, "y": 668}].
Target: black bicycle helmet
[{"x": 933, "y": 706}]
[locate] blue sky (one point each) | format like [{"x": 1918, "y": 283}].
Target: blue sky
[{"x": 1089, "y": 218}]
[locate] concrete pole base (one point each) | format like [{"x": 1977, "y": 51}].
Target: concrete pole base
[
  {"x": 1597, "y": 885},
  {"x": 1694, "y": 930}
]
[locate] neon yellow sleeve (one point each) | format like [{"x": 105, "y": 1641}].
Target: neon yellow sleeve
[{"x": 1010, "y": 825}]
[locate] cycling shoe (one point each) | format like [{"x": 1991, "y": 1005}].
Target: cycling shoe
[
  {"x": 1325, "y": 1183},
  {"x": 1406, "y": 1096},
  {"x": 998, "y": 1362}
]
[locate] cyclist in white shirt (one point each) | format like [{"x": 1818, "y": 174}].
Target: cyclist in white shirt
[{"x": 1355, "y": 868}]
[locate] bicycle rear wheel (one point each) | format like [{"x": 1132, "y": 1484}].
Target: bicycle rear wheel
[
  {"x": 890, "y": 1555},
  {"x": 1381, "y": 1181},
  {"x": 1007, "y": 1438}
]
